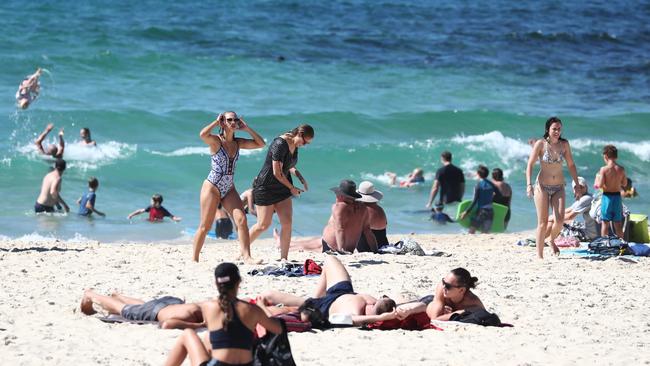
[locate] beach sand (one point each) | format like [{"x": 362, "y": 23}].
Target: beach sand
[{"x": 565, "y": 311}]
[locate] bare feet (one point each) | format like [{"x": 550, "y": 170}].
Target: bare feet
[
  {"x": 556, "y": 250},
  {"x": 86, "y": 305},
  {"x": 251, "y": 260}
]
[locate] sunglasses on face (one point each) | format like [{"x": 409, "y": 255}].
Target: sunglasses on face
[
  {"x": 305, "y": 142},
  {"x": 449, "y": 286},
  {"x": 233, "y": 119}
]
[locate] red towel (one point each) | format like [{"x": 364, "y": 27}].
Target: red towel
[
  {"x": 419, "y": 321},
  {"x": 311, "y": 267}
]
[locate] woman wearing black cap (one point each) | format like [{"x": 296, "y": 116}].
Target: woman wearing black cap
[
  {"x": 231, "y": 323},
  {"x": 273, "y": 187}
]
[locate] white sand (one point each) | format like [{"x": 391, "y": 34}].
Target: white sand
[{"x": 565, "y": 310}]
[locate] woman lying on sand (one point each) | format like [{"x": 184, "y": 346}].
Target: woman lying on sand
[{"x": 452, "y": 296}]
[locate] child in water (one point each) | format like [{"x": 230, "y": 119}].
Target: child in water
[
  {"x": 440, "y": 217},
  {"x": 156, "y": 211},
  {"x": 87, "y": 200}
]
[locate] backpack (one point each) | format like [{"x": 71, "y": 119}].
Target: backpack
[
  {"x": 478, "y": 317},
  {"x": 273, "y": 350}
]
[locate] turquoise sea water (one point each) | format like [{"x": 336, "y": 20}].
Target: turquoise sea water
[{"x": 387, "y": 85}]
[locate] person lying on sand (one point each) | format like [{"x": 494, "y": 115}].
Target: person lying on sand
[
  {"x": 171, "y": 312},
  {"x": 453, "y": 295},
  {"x": 334, "y": 294}
]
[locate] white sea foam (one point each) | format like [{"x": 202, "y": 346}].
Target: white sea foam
[
  {"x": 640, "y": 149},
  {"x": 87, "y": 157},
  {"x": 49, "y": 239},
  {"x": 506, "y": 147}
]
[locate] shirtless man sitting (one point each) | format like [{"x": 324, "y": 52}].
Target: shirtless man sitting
[
  {"x": 50, "y": 195},
  {"x": 171, "y": 312},
  {"x": 453, "y": 296},
  {"x": 334, "y": 294},
  {"x": 56, "y": 151},
  {"x": 348, "y": 221}
]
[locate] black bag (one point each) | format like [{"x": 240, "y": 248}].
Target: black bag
[
  {"x": 608, "y": 246},
  {"x": 575, "y": 230},
  {"x": 274, "y": 349},
  {"x": 479, "y": 317}
]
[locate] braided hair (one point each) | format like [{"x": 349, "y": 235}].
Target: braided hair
[{"x": 227, "y": 278}]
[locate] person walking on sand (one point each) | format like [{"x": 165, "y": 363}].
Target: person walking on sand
[
  {"x": 50, "y": 195},
  {"x": 551, "y": 151},
  {"x": 219, "y": 186},
  {"x": 56, "y": 151},
  {"x": 273, "y": 187}
]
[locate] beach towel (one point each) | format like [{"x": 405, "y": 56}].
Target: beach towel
[
  {"x": 419, "y": 321},
  {"x": 567, "y": 242},
  {"x": 286, "y": 269},
  {"x": 311, "y": 268}
]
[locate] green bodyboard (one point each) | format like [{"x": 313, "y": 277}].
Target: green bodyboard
[{"x": 500, "y": 211}]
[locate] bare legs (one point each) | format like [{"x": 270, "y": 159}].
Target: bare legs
[
  {"x": 188, "y": 344},
  {"x": 235, "y": 207},
  {"x": 209, "y": 201},
  {"x": 333, "y": 273},
  {"x": 109, "y": 303},
  {"x": 284, "y": 210},
  {"x": 557, "y": 202},
  {"x": 314, "y": 244},
  {"x": 541, "y": 204},
  {"x": 618, "y": 228}
]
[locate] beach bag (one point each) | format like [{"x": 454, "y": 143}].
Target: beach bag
[
  {"x": 608, "y": 246},
  {"x": 574, "y": 230},
  {"x": 409, "y": 246},
  {"x": 478, "y": 317},
  {"x": 274, "y": 350}
]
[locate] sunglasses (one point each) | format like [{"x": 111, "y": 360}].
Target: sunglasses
[
  {"x": 233, "y": 119},
  {"x": 305, "y": 142},
  {"x": 449, "y": 286}
]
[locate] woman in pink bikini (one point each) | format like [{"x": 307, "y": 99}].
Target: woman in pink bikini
[
  {"x": 548, "y": 189},
  {"x": 219, "y": 186}
]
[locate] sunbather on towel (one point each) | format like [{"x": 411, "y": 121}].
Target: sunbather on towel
[
  {"x": 171, "y": 312},
  {"x": 453, "y": 295},
  {"x": 334, "y": 294}
]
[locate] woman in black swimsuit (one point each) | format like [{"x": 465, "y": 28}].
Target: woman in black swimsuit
[
  {"x": 273, "y": 187},
  {"x": 231, "y": 323}
]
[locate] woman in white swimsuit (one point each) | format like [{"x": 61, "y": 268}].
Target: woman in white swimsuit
[
  {"x": 551, "y": 151},
  {"x": 219, "y": 186}
]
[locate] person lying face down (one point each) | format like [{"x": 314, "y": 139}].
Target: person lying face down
[
  {"x": 453, "y": 295},
  {"x": 334, "y": 294},
  {"x": 171, "y": 312}
]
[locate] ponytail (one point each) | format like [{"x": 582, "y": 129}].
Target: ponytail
[
  {"x": 464, "y": 278},
  {"x": 303, "y": 130},
  {"x": 227, "y": 277}
]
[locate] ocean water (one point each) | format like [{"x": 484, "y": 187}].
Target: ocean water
[{"x": 387, "y": 85}]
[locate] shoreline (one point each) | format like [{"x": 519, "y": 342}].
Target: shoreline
[{"x": 565, "y": 310}]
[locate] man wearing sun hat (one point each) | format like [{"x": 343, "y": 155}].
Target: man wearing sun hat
[
  {"x": 370, "y": 197},
  {"x": 348, "y": 222}
]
